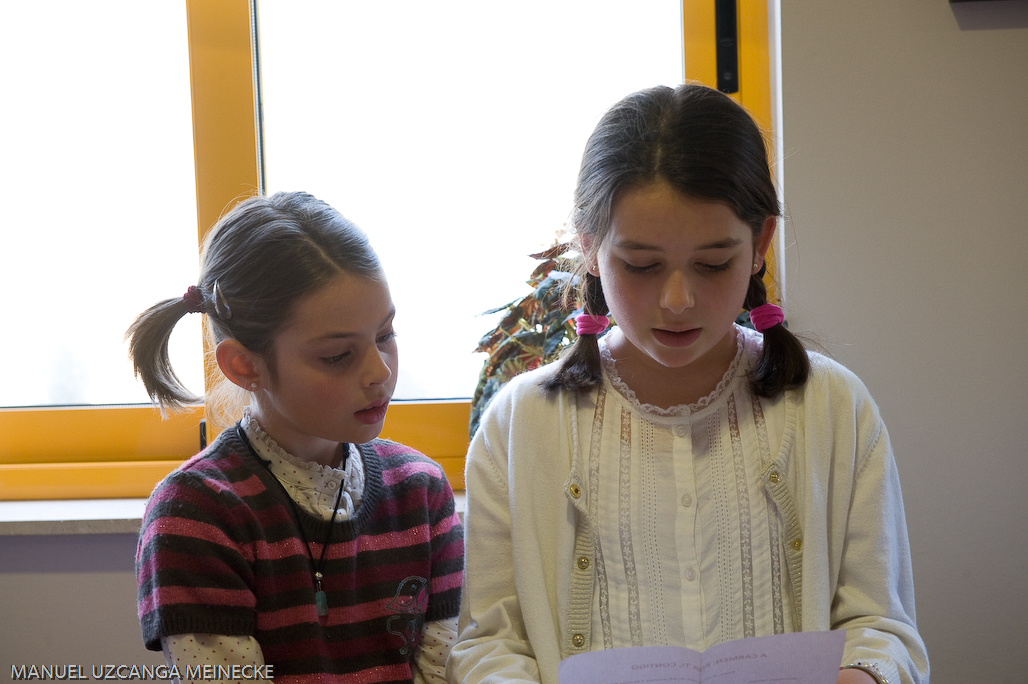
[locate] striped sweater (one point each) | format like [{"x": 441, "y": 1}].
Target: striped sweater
[{"x": 220, "y": 552}]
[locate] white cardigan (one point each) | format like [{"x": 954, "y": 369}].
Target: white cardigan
[{"x": 834, "y": 484}]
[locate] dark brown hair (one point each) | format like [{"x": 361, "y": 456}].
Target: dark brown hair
[
  {"x": 707, "y": 147},
  {"x": 256, "y": 262}
]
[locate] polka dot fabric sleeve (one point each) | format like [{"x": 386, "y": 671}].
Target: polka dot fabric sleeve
[
  {"x": 182, "y": 650},
  {"x": 436, "y": 642}
]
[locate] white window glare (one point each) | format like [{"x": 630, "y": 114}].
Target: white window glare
[
  {"x": 451, "y": 132},
  {"x": 100, "y": 214}
]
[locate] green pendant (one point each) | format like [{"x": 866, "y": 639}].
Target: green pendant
[{"x": 321, "y": 601}]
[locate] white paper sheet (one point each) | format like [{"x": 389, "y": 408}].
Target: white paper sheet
[{"x": 796, "y": 658}]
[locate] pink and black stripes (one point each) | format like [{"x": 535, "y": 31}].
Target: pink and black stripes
[{"x": 220, "y": 553}]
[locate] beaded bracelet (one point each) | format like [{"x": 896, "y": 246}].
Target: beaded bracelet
[{"x": 869, "y": 668}]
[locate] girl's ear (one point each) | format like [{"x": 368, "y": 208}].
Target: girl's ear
[
  {"x": 585, "y": 243},
  {"x": 239, "y": 364},
  {"x": 763, "y": 240}
]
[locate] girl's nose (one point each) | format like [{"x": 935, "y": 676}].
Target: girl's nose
[
  {"x": 376, "y": 368},
  {"x": 677, "y": 295}
]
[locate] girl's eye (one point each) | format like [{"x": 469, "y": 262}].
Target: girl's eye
[
  {"x": 335, "y": 360},
  {"x": 631, "y": 268},
  {"x": 382, "y": 339},
  {"x": 716, "y": 268}
]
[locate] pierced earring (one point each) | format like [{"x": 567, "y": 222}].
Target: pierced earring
[{"x": 253, "y": 386}]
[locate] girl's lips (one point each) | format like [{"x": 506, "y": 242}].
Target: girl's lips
[
  {"x": 670, "y": 338},
  {"x": 372, "y": 414}
]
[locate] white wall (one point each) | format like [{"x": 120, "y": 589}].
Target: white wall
[
  {"x": 69, "y": 600},
  {"x": 906, "y": 178}
]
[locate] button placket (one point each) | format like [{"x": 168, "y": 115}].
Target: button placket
[{"x": 687, "y": 513}]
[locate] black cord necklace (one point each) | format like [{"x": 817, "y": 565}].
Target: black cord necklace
[{"x": 320, "y": 598}]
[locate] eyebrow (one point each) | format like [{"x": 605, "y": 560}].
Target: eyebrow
[
  {"x": 633, "y": 245},
  {"x": 343, "y": 335}
]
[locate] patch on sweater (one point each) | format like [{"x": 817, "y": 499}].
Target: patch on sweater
[{"x": 410, "y": 602}]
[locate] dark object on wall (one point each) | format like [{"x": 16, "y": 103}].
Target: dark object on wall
[
  {"x": 727, "y": 35},
  {"x": 990, "y": 15}
]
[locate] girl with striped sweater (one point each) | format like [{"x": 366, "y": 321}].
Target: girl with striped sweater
[{"x": 297, "y": 544}]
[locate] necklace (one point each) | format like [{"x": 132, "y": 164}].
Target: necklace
[{"x": 320, "y": 597}]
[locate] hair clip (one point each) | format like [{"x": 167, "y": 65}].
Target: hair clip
[{"x": 221, "y": 307}]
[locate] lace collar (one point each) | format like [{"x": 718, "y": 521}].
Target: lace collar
[
  {"x": 731, "y": 375},
  {"x": 312, "y": 485}
]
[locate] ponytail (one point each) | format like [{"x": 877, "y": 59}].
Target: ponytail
[
  {"x": 148, "y": 338},
  {"x": 783, "y": 362},
  {"x": 580, "y": 366}
]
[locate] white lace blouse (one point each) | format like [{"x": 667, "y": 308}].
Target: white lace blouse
[{"x": 689, "y": 550}]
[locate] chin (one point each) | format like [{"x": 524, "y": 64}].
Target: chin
[
  {"x": 680, "y": 357},
  {"x": 676, "y": 364},
  {"x": 365, "y": 433}
]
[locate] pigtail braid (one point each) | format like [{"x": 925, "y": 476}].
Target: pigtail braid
[
  {"x": 756, "y": 293},
  {"x": 148, "y": 339},
  {"x": 783, "y": 362},
  {"x": 580, "y": 366}
]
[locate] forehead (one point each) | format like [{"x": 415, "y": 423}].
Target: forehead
[
  {"x": 346, "y": 305},
  {"x": 659, "y": 216}
]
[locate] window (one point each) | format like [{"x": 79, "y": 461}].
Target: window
[
  {"x": 451, "y": 132},
  {"x": 99, "y": 224},
  {"x": 112, "y": 452},
  {"x": 100, "y": 211}
]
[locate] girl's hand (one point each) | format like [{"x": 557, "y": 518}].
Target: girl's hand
[{"x": 854, "y": 676}]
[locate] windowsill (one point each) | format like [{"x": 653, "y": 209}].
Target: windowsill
[
  {"x": 72, "y": 516},
  {"x": 87, "y": 516}
]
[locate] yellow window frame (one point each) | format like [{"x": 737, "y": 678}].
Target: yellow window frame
[
  {"x": 123, "y": 451},
  {"x": 699, "y": 45}
]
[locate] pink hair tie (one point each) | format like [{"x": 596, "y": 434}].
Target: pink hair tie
[
  {"x": 766, "y": 316},
  {"x": 193, "y": 299},
  {"x": 588, "y": 324}
]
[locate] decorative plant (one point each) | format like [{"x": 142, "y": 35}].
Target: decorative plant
[{"x": 535, "y": 330}]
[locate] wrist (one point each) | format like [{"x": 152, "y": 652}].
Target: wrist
[{"x": 870, "y": 668}]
